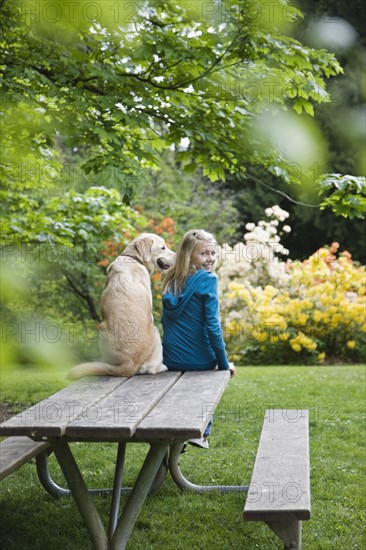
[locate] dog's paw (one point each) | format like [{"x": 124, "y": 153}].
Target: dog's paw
[{"x": 161, "y": 368}]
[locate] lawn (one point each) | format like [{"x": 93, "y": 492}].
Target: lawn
[{"x": 171, "y": 519}]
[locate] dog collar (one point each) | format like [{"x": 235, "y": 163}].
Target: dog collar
[{"x": 134, "y": 258}]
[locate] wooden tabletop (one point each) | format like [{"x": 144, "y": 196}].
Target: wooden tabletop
[{"x": 169, "y": 405}]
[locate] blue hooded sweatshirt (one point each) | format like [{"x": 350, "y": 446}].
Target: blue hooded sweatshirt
[{"x": 192, "y": 331}]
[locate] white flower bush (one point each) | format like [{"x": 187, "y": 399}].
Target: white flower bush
[
  {"x": 254, "y": 263},
  {"x": 257, "y": 261}
]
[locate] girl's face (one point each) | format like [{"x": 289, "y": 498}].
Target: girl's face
[{"x": 204, "y": 255}]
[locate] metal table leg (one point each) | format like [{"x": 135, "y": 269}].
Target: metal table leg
[
  {"x": 45, "y": 478},
  {"x": 138, "y": 495},
  {"x": 117, "y": 486},
  {"x": 54, "y": 489},
  {"x": 81, "y": 495},
  {"x": 161, "y": 475},
  {"x": 119, "y": 531},
  {"x": 184, "y": 483}
]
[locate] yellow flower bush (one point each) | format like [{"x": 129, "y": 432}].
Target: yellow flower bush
[{"x": 316, "y": 312}]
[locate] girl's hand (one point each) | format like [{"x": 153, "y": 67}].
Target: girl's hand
[{"x": 232, "y": 369}]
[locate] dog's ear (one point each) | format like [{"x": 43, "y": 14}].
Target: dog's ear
[{"x": 144, "y": 248}]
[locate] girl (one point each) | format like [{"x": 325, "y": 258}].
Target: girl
[{"x": 192, "y": 331}]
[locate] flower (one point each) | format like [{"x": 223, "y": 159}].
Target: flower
[
  {"x": 284, "y": 307},
  {"x": 280, "y": 214},
  {"x": 296, "y": 346},
  {"x": 286, "y": 228}
]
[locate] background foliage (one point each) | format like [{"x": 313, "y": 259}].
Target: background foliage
[
  {"x": 341, "y": 120},
  {"x": 124, "y": 117}
]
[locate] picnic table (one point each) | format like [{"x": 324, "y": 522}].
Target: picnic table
[{"x": 163, "y": 410}]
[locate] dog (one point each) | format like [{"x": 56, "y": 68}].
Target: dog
[{"x": 129, "y": 342}]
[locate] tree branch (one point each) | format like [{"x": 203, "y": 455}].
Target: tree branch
[{"x": 84, "y": 297}]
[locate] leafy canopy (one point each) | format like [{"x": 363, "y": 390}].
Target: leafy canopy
[
  {"x": 121, "y": 82},
  {"x": 344, "y": 194}
]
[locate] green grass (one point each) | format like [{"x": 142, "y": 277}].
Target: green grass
[{"x": 171, "y": 519}]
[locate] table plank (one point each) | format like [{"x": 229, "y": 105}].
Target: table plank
[
  {"x": 51, "y": 416},
  {"x": 123, "y": 409},
  {"x": 186, "y": 409},
  {"x": 281, "y": 479}
]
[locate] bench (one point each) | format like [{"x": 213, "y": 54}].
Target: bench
[
  {"x": 279, "y": 491},
  {"x": 16, "y": 451}
]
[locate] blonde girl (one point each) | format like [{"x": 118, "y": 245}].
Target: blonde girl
[{"x": 193, "y": 337}]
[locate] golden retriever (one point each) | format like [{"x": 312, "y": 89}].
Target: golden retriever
[{"x": 129, "y": 342}]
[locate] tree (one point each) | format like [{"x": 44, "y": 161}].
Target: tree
[
  {"x": 339, "y": 26},
  {"x": 53, "y": 270},
  {"x": 189, "y": 198},
  {"x": 123, "y": 89},
  {"x": 74, "y": 233},
  {"x": 340, "y": 121}
]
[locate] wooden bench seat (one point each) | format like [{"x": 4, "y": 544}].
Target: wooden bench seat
[
  {"x": 279, "y": 491},
  {"x": 16, "y": 451}
]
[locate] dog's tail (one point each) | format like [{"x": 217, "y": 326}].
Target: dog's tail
[{"x": 98, "y": 368}]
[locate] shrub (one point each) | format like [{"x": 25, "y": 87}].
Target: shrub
[{"x": 290, "y": 312}]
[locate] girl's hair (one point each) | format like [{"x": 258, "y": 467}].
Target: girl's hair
[{"x": 176, "y": 277}]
